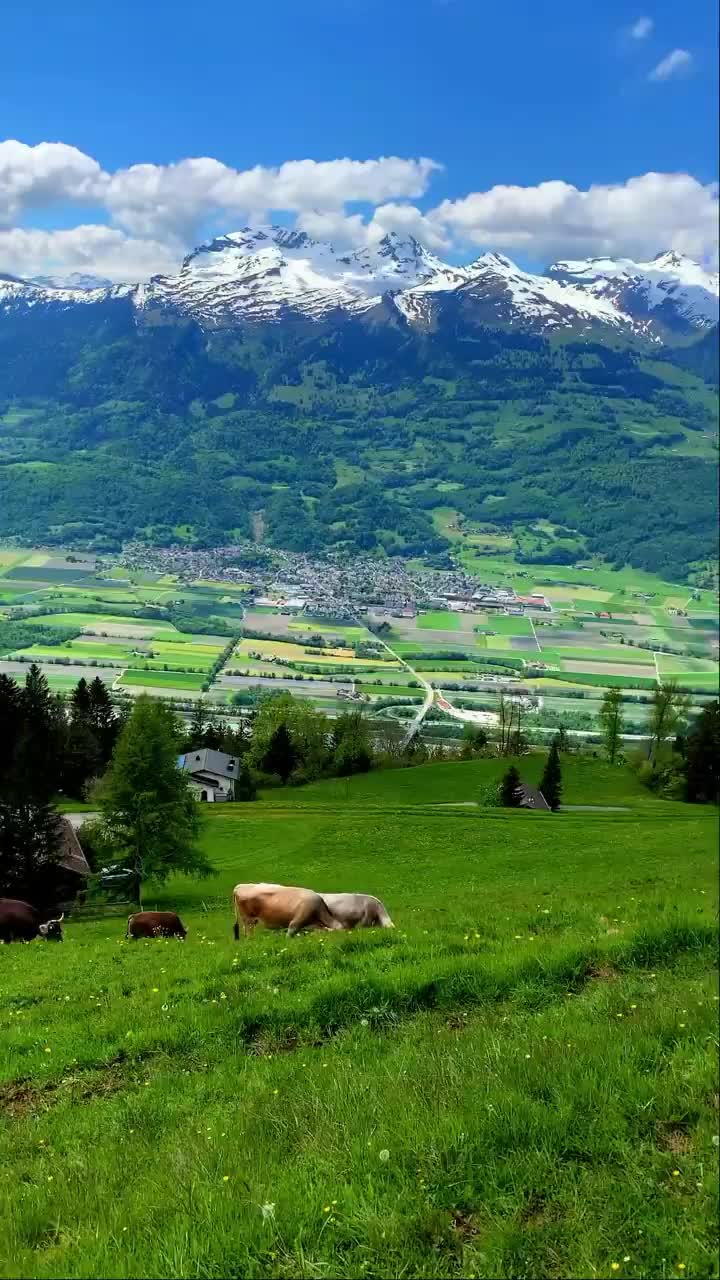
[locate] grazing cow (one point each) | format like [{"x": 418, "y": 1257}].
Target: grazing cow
[
  {"x": 155, "y": 924},
  {"x": 19, "y": 922},
  {"x": 358, "y": 910},
  {"x": 280, "y": 906}
]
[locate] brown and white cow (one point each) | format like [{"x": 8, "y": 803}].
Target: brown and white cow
[
  {"x": 21, "y": 922},
  {"x": 280, "y": 906},
  {"x": 155, "y": 924},
  {"x": 358, "y": 910}
]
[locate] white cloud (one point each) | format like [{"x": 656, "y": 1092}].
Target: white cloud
[
  {"x": 157, "y": 212},
  {"x": 97, "y": 250},
  {"x": 175, "y": 199},
  {"x": 677, "y": 63},
  {"x": 35, "y": 177},
  {"x": 641, "y": 29},
  {"x": 636, "y": 218}
]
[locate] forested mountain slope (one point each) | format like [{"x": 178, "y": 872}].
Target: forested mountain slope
[{"x": 351, "y": 428}]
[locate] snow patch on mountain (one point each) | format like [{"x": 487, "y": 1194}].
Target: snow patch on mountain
[
  {"x": 269, "y": 274},
  {"x": 681, "y": 289}
]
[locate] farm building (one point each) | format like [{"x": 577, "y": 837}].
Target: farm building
[{"x": 212, "y": 774}]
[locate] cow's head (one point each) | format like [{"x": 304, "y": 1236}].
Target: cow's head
[{"x": 51, "y": 931}]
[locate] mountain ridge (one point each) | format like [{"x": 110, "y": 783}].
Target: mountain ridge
[{"x": 269, "y": 274}]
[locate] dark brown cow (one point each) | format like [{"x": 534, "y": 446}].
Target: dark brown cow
[
  {"x": 280, "y": 906},
  {"x": 155, "y": 924},
  {"x": 20, "y": 922}
]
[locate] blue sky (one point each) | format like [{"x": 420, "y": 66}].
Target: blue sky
[{"x": 515, "y": 94}]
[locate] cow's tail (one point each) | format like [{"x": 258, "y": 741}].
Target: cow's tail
[
  {"x": 236, "y": 926},
  {"x": 383, "y": 918},
  {"x": 326, "y": 917}
]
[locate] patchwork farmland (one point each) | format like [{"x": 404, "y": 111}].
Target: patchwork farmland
[{"x": 147, "y": 632}]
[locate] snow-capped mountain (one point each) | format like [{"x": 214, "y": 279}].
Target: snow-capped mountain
[
  {"x": 75, "y": 280},
  {"x": 492, "y": 290},
  {"x": 671, "y": 290},
  {"x": 266, "y": 275},
  {"x": 269, "y": 273}
]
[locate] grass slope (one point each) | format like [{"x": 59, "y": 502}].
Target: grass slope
[{"x": 520, "y": 1079}]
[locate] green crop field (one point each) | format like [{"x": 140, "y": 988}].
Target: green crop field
[
  {"x": 439, "y": 620},
  {"x": 520, "y": 1079},
  {"x": 159, "y": 679}
]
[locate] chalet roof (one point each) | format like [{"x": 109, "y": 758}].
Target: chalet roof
[
  {"x": 73, "y": 858},
  {"x": 531, "y": 797},
  {"x": 205, "y": 760}
]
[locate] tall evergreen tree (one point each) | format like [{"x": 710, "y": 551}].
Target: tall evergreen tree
[
  {"x": 105, "y": 722},
  {"x": 30, "y": 852},
  {"x": 702, "y": 757},
  {"x": 551, "y": 781},
  {"x": 510, "y": 789},
  {"x": 39, "y": 759},
  {"x": 10, "y": 730},
  {"x": 149, "y": 814},
  {"x": 280, "y": 757},
  {"x": 612, "y": 723}
]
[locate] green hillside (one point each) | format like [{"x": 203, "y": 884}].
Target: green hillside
[
  {"x": 352, "y": 436},
  {"x": 519, "y": 1079}
]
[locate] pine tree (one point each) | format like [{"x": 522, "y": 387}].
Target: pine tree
[
  {"x": 197, "y": 726},
  {"x": 510, "y": 789},
  {"x": 30, "y": 852},
  {"x": 105, "y": 723},
  {"x": 10, "y": 730},
  {"x": 80, "y": 701},
  {"x": 612, "y": 722},
  {"x": 39, "y": 754},
  {"x": 702, "y": 765},
  {"x": 149, "y": 814},
  {"x": 280, "y": 757},
  {"x": 551, "y": 781}
]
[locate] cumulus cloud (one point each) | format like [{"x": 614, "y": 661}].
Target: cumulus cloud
[
  {"x": 641, "y": 29},
  {"x": 636, "y": 218},
  {"x": 677, "y": 63},
  {"x": 157, "y": 212},
  {"x": 35, "y": 177},
  {"x": 94, "y": 249}
]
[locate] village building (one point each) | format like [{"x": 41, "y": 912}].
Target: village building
[{"x": 211, "y": 774}]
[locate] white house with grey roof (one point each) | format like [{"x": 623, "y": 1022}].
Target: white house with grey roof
[{"x": 212, "y": 774}]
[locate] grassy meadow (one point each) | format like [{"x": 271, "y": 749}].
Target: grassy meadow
[{"x": 520, "y": 1079}]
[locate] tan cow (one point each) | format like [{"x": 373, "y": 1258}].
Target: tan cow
[
  {"x": 280, "y": 906},
  {"x": 358, "y": 910}
]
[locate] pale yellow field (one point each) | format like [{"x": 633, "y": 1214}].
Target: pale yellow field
[
  {"x": 575, "y": 593},
  {"x": 297, "y": 653}
]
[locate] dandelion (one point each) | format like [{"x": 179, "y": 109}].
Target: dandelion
[
  {"x": 716, "y": 1140},
  {"x": 276, "y": 1090},
  {"x": 155, "y": 990},
  {"x": 326, "y": 1208},
  {"x": 226, "y": 1177},
  {"x": 165, "y": 1008},
  {"x": 364, "y": 1022},
  {"x": 267, "y": 1211},
  {"x": 50, "y": 1177},
  {"x": 682, "y": 1024},
  {"x": 384, "y": 1155},
  {"x": 633, "y": 1006},
  {"x": 614, "y": 1266},
  {"x": 223, "y": 996},
  {"x": 676, "y": 1173},
  {"x": 48, "y": 1049}
]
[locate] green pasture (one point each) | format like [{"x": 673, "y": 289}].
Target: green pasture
[
  {"x": 520, "y": 1079},
  {"x": 439, "y": 620},
  {"x": 624, "y": 655},
  {"x": 504, "y": 625},
  {"x": 158, "y": 679}
]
